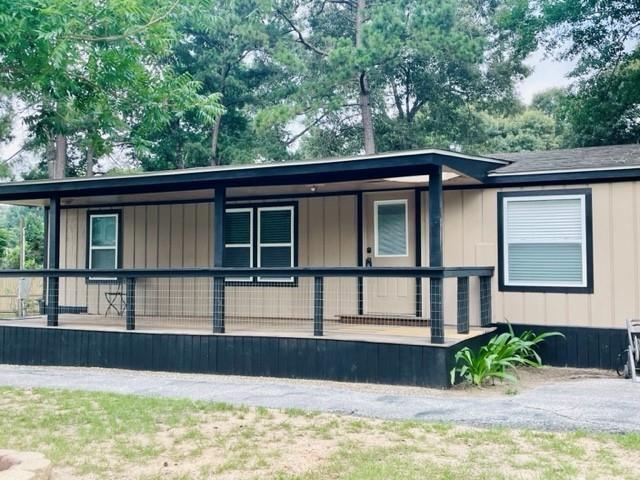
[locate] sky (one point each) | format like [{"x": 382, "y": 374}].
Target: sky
[{"x": 547, "y": 73}]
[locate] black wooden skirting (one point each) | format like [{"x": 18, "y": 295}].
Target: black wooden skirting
[
  {"x": 314, "y": 358},
  {"x": 582, "y": 347}
]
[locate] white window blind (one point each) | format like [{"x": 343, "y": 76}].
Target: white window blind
[
  {"x": 275, "y": 239},
  {"x": 545, "y": 240},
  {"x": 390, "y": 224},
  {"x": 238, "y": 240}
]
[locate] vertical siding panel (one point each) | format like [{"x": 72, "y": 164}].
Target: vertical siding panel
[
  {"x": 535, "y": 311},
  {"x": 140, "y": 237},
  {"x": 140, "y": 215},
  {"x": 81, "y": 256},
  {"x": 487, "y": 253},
  {"x": 624, "y": 253},
  {"x": 150, "y": 306},
  {"x": 176, "y": 258},
  {"x": 453, "y": 241},
  {"x": 163, "y": 299},
  {"x": 348, "y": 252},
  {"x": 472, "y": 239},
  {"x": 189, "y": 259},
  {"x": 601, "y": 300},
  {"x": 202, "y": 257},
  {"x": 332, "y": 294},
  {"x": 128, "y": 236},
  {"x": 556, "y": 307}
]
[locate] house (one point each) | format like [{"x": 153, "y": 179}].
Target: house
[{"x": 372, "y": 268}]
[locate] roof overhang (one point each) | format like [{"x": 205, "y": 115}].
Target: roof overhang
[{"x": 387, "y": 165}]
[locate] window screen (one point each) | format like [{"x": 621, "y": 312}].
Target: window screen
[
  {"x": 545, "y": 240},
  {"x": 391, "y": 228}
]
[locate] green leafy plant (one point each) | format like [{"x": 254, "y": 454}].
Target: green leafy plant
[{"x": 500, "y": 357}]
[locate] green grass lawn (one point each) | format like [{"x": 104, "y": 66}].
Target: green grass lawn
[{"x": 102, "y": 435}]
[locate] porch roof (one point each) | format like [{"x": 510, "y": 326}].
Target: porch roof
[{"x": 347, "y": 169}]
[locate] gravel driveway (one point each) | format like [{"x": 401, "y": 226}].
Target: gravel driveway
[{"x": 591, "y": 404}]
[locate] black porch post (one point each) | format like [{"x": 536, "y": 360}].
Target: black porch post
[
  {"x": 218, "y": 258},
  {"x": 435, "y": 253},
  {"x": 131, "y": 304},
  {"x": 53, "y": 260},
  {"x": 463, "y": 304},
  {"x": 359, "y": 251},
  {"x": 318, "y": 306}
]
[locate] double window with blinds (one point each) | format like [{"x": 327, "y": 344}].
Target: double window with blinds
[{"x": 260, "y": 236}]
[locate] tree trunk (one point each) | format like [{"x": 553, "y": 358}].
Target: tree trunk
[
  {"x": 51, "y": 157},
  {"x": 90, "y": 162},
  {"x": 364, "y": 97},
  {"x": 215, "y": 132},
  {"x": 59, "y": 160}
]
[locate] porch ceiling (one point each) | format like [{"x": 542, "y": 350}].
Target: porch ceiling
[{"x": 392, "y": 171}]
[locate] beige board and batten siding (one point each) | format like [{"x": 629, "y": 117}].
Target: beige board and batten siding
[
  {"x": 471, "y": 237},
  {"x": 179, "y": 236}
]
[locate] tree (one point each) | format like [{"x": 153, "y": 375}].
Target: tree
[
  {"x": 525, "y": 131},
  {"x": 417, "y": 68},
  {"x": 602, "y": 37},
  {"x": 606, "y": 109},
  {"x": 226, "y": 47},
  {"x": 93, "y": 69}
]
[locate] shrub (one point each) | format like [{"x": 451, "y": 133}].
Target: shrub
[{"x": 499, "y": 358}]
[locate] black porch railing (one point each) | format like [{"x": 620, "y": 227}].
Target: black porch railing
[{"x": 317, "y": 291}]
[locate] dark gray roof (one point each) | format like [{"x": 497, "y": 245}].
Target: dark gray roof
[{"x": 613, "y": 156}]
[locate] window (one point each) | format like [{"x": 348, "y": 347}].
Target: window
[
  {"x": 261, "y": 236},
  {"x": 390, "y": 228},
  {"x": 546, "y": 241},
  {"x": 238, "y": 240},
  {"x": 103, "y": 241}
]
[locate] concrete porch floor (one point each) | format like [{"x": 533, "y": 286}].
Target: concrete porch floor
[{"x": 253, "y": 326}]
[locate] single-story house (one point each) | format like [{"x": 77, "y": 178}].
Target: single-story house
[{"x": 372, "y": 268}]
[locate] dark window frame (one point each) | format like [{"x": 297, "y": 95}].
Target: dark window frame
[
  {"x": 255, "y": 282},
  {"x": 119, "y": 240},
  {"x": 586, "y": 192}
]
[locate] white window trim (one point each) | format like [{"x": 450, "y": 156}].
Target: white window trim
[
  {"x": 116, "y": 247},
  {"x": 506, "y": 242},
  {"x": 376, "y": 204},
  {"x": 291, "y": 244},
  {"x": 242, "y": 245}
]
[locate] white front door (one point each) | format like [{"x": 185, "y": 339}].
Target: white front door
[{"x": 389, "y": 235}]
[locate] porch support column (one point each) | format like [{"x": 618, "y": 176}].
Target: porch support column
[
  {"x": 218, "y": 258},
  {"x": 463, "y": 304},
  {"x": 485, "y": 301},
  {"x": 359, "y": 251},
  {"x": 435, "y": 253},
  {"x": 53, "y": 260}
]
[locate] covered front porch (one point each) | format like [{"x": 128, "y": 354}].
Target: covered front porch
[{"x": 346, "y": 250}]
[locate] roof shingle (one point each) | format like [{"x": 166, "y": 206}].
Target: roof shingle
[{"x": 611, "y": 156}]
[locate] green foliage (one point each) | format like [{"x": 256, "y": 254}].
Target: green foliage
[
  {"x": 33, "y": 220},
  {"x": 601, "y": 36},
  {"x": 526, "y": 131},
  {"x": 605, "y": 110},
  {"x": 224, "y": 45},
  {"x": 428, "y": 63},
  {"x": 92, "y": 70},
  {"x": 499, "y": 358}
]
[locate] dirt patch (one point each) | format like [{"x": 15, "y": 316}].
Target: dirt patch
[{"x": 529, "y": 378}]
